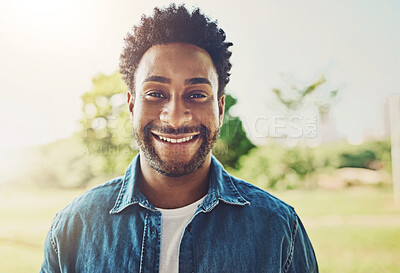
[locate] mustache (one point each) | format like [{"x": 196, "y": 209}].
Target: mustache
[{"x": 201, "y": 129}]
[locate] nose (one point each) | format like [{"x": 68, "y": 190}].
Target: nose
[{"x": 176, "y": 113}]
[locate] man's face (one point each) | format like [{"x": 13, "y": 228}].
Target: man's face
[{"x": 176, "y": 113}]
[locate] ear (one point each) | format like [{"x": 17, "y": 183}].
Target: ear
[
  {"x": 221, "y": 109},
  {"x": 130, "y": 100}
]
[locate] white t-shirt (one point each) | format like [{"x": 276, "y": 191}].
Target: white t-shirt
[{"x": 173, "y": 224}]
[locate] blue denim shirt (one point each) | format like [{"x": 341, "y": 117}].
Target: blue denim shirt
[{"x": 237, "y": 228}]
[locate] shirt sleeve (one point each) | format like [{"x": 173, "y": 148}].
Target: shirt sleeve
[
  {"x": 301, "y": 254},
  {"x": 51, "y": 259}
]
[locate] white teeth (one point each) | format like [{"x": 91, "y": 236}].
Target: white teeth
[{"x": 174, "y": 140}]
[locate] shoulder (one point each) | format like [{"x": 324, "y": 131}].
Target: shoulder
[
  {"x": 96, "y": 202},
  {"x": 80, "y": 218},
  {"x": 264, "y": 202}
]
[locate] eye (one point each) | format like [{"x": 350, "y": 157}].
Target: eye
[
  {"x": 196, "y": 96},
  {"x": 156, "y": 94}
]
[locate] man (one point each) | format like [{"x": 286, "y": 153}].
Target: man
[{"x": 176, "y": 209}]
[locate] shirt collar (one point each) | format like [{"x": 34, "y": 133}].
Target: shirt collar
[{"x": 221, "y": 187}]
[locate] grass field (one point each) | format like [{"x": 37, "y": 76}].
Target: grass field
[{"x": 354, "y": 230}]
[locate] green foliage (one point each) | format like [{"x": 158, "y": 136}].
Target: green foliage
[
  {"x": 294, "y": 97},
  {"x": 300, "y": 161},
  {"x": 106, "y": 126},
  {"x": 233, "y": 141},
  {"x": 359, "y": 160},
  {"x": 277, "y": 166},
  {"x": 291, "y": 167},
  {"x": 370, "y": 155}
]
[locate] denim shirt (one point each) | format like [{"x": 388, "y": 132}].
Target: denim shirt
[{"x": 237, "y": 228}]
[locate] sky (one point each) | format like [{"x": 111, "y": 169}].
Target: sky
[{"x": 50, "y": 51}]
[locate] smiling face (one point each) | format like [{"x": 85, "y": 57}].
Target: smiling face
[{"x": 176, "y": 112}]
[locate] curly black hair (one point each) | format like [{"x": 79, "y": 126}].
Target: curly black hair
[{"x": 176, "y": 25}]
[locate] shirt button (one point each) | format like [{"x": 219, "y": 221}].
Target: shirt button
[{"x": 189, "y": 228}]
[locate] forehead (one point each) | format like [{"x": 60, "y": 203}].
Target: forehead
[{"x": 176, "y": 61}]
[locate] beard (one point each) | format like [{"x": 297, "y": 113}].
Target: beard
[{"x": 175, "y": 168}]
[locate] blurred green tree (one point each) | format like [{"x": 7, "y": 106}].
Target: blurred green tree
[
  {"x": 106, "y": 127},
  {"x": 276, "y": 166},
  {"x": 294, "y": 98},
  {"x": 358, "y": 160},
  {"x": 233, "y": 141}
]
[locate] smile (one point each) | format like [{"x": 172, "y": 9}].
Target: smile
[{"x": 175, "y": 140}]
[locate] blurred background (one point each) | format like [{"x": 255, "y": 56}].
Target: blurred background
[{"x": 312, "y": 116}]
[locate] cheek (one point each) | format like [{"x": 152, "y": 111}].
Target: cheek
[
  {"x": 145, "y": 114},
  {"x": 207, "y": 116}
]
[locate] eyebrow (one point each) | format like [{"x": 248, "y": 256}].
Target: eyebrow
[
  {"x": 197, "y": 81},
  {"x": 162, "y": 79}
]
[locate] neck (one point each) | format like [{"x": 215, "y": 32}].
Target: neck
[{"x": 173, "y": 192}]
